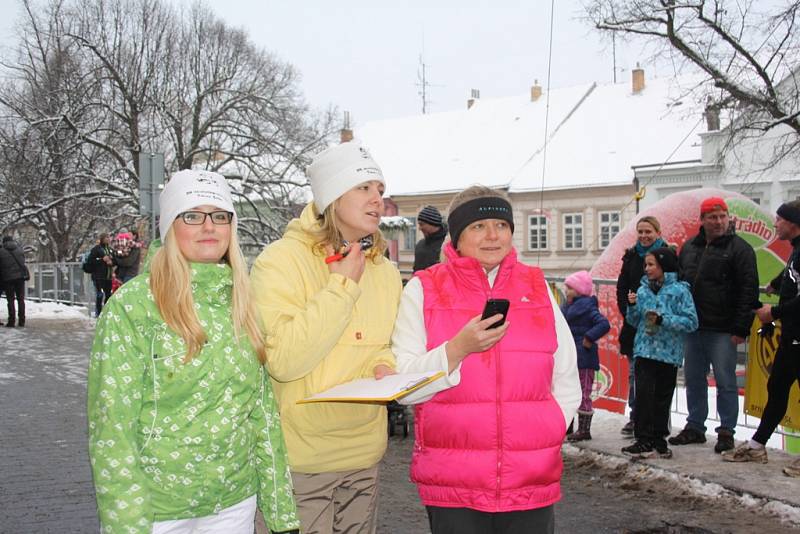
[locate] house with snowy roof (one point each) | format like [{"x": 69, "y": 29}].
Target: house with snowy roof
[{"x": 566, "y": 160}]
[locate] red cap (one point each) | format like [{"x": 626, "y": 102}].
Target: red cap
[{"x": 711, "y": 204}]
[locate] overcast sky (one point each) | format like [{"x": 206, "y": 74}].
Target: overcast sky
[{"x": 363, "y": 56}]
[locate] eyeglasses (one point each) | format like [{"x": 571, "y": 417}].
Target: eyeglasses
[{"x": 199, "y": 217}]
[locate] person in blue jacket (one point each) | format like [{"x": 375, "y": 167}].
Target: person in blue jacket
[
  {"x": 663, "y": 312},
  {"x": 587, "y": 325}
]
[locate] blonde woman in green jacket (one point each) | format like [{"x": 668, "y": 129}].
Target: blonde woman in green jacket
[{"x": 184, "y": 432}]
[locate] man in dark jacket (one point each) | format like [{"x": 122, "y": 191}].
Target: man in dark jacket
[
  {"x": 13, "y": 272},
  {"x": 429, "y": 248},
  {"x": 786, "y": 367},
  {"x": 721, "y": 268},
  {"x": 101, "y": 262}
]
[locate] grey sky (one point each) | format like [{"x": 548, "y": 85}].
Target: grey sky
[{"x": 364, "y": 55}]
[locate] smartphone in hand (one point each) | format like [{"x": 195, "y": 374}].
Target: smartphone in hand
[{"x": 493, "y": 307}]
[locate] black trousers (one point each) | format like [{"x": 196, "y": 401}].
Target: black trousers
[
  {"x": 785, "y": 370},
  {"x": 15, "y": 290},
  {"x": 655, "y": 384},
  {"x": 102, "y": 289},
  {"x": 469, "y": 521}
]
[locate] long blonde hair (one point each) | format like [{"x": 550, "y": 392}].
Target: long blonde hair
[
  {"x": 170, "y": 283},
  {"x": 329, "y": 233}
]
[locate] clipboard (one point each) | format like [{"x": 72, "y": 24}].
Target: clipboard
[{"x": 387, "y": 389}]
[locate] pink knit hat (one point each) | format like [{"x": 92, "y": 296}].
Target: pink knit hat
[{"x": 581, "y": 282}]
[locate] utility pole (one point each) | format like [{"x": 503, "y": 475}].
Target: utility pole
[{"x": 614, "y": 55}]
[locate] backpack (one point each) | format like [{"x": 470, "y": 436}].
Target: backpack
[{"x": 85, "y": 265}]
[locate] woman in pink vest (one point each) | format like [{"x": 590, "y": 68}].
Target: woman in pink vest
[{"x": 487, "y": 456}]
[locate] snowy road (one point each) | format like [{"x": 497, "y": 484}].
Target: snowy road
[{"x": 45, "y": 481}]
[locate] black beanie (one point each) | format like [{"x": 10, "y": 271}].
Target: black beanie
[
  {"x": 430, "y": 215},
  {"x": 666, "y": 259},
  {"x": 478, "y": 209}
]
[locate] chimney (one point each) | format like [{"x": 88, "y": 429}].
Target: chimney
[
  {"x": 637, "y": 79},
  {"x": 712, "y": 115},
  {"x": 536, "y": 91},
  {"x": 346, "y": 134},
  {"x": 475, "y": 95}
]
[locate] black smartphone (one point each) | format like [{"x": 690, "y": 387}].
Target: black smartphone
[{"x": 493, "y": 307}]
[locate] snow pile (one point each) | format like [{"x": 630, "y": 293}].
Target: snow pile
[
  {"x": 54, "y": 311},
  {"x": 639, "y": 476}
]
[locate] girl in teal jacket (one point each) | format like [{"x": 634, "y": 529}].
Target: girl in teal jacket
[
  {"x": 663, "y": 312},
  {"x": 184, "y": 432}
]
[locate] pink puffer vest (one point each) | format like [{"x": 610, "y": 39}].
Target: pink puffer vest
[{"x": 492, "y": 443}]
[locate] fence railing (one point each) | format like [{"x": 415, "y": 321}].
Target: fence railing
[
  {"x": 605, "y": 290},
  {"x": 59, "y": 282}
]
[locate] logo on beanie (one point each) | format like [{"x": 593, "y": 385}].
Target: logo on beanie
[
  {"x": 501, "y": 209},
  {"x": 364, "y": 153}
]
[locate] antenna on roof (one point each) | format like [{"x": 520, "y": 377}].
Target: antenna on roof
[
  {"x": 422, "y": 79},
  {"x": 422, "y": 83}
]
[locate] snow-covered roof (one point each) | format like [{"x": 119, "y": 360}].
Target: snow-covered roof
[{"x": 596, "y": 133}]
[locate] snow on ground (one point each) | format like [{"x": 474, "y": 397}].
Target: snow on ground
[
  {"x": 644, "y": 476},
  {"x": 50, "y": 310}
]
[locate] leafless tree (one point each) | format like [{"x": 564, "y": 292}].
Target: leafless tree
[
  {"x": 95, "y": 82},
  {"x": 48, "y": 172},
  {"x": 749, "y": 51}
]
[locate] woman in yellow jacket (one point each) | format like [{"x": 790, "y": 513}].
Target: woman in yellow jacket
[{"x": 328, "y": 301}]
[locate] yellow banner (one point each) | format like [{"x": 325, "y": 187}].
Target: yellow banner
[{"x": 760, "y": 357}]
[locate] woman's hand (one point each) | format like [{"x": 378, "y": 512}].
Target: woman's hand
[
  {"x": 632, "y": 298},
  {"x": 382, "y": 370},
  {"x": 475, "y": 336},
  {"x": 587, "y": 344},
  {"x": 351, "y": 266}
]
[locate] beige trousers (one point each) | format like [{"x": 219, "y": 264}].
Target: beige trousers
[{"x": 345, "y": 501}]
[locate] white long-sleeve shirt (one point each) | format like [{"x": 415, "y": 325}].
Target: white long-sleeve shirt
[{"x": 410, "y": 342}]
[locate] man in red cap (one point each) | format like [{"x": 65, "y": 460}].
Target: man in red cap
[{"x": 721, "y": 269}]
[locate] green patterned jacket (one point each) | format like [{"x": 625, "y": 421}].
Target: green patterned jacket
[{"x": 169, "y": 440}]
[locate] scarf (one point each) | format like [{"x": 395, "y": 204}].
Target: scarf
[{"x": 642, "y": 251}]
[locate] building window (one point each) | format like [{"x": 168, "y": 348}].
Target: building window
[
  {"x": 537, "y": 232},
  {"x": 410, "y": 234},
  {"x": 609, "y": 227},
  {"x": 573, "y": 231},
  {"x": 755, "y": 199}
]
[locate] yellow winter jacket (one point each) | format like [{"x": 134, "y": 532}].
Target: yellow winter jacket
[{"x": 323, "y": 329}]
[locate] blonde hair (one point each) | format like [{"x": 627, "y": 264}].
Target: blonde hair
[
  {"x": 473, "y": 192},
  {"x": 170, "y": 283},
  {"x": 652, "y": 221},
  {"x": 328, "y": 233}
]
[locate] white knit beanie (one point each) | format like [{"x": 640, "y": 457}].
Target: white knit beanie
[
  {"x": 338, "y": 169},
  {"x": 189, "y": 189}
]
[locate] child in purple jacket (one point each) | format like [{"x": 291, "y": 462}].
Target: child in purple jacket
[{"x": 587, "y": 325}]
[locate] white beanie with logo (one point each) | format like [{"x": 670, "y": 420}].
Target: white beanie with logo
[
  {"x": 338, "y": 169},
  {"x": 189, "y": 189}
]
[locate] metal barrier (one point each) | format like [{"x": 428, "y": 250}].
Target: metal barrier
[
  {"x": 60, "y": 282},
  {"x": 67, "y": 283}
]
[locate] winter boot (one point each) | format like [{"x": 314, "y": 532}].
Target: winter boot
[{"x": 584, "y": 427}]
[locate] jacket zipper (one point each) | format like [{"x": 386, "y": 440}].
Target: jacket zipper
[{"x": 699, "y": 265}]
